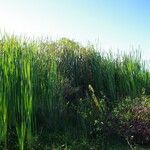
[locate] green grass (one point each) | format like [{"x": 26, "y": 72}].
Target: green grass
[{"x": 42, "y": 83}]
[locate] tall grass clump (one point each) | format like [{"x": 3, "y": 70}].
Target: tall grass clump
[
  {"x": 23, "y": 100},
  {"x": 114, "y": 77},
  {"x": 29, "y": 91},
  {"x": 17, "y": 91},
  {"x": 47, "y": 91},
  {"x": 4, "y": 90}
]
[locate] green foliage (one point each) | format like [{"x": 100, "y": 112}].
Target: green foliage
[
  {"x": 131, "y": 109},
  {"x": 131, "y": 119},
  {"x": 92, "y": 112},
  {"x": 62, "y": 86}
]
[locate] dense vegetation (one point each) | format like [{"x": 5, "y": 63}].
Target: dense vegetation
[{"x": 61, "y": 95}]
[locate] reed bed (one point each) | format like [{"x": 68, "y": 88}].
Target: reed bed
[{"x": 40, "y": 80}]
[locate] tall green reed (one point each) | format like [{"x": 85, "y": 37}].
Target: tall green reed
[{"x": 16, "y": 85}]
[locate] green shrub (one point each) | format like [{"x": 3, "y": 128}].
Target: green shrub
[{"x": 131, "y": 119}]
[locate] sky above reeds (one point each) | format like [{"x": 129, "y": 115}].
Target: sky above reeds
[{"x": 111, "y": 24}]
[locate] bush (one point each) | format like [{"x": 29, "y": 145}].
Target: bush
[{"x": 131, "y": 119}]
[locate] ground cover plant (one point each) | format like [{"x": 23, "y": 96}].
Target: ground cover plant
[{"x": 51, "y": 92}]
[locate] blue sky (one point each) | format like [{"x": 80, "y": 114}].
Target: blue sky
[{"x": 113, "y": 24}]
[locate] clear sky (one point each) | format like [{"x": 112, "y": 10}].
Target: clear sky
[{"x": 114, "y": 24}]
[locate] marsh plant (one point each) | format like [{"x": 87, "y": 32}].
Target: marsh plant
[{"x": 48, "y": 87}]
